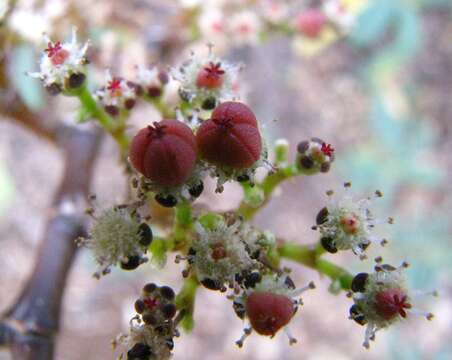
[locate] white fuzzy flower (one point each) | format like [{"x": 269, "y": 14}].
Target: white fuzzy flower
[
  {"x": 61, "y": 60},
  {"x": 382, "y": 299},
  {"x": 151, "y": 80},
  {"x": 245, "y": 27},
  {"x": 346, "y": 223},
  {"x": 116, "y": 94},
  {"x": 116, "y": 237},
  {"x": 339, "y": 14},
  {"x": 274, "y": 11},
  {"x": 207, "y": 79}
]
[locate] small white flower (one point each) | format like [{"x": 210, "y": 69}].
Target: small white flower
[
  {"x": 116, "y": 94},
  {"x": 204, "y": 78},
  {"x": 382, "y": 299},
  {"x": 212, "y": 23},
  {"x": 60, "y": 60},
  {"x": 151, "y": 80},
  {"x": 245, "y": 27},
  {"x": 338, "y": 13},
  {"x": 346, "y": 223},
  {"x": 274, "y": 11},
  {"x": 314, "y": 155}
]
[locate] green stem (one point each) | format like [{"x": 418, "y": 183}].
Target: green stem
[
  {"x": 309, "y": 256},
  {"x": 183, "y": 221},
  {"x": 185, "y": 302},
  {"x": 270, "y": 183},
  {"x": 117, "y": 131}
]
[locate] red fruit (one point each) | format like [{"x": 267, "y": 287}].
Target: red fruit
[
  {"x": 269, "y": 312},
  {"x": 311, "y": 22},
  {"x": 231, "y": 137},
  {"x": 210, "y": 76},
  {"x": 164, "y": 153},
  {"x": 390, "y": 303}
]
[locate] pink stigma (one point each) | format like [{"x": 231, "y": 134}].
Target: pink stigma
[{"x": 327, "y": 149}]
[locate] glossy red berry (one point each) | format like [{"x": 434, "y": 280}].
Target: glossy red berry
[
  {"x": 210, "y": 76},
  {"x": 269, "y": 312},
  {"x": 231, "y": 137},
  {"x": 311, "y": 22},
  {"x": 392, "y": 302},
  {"x": 165, "y": 153}
]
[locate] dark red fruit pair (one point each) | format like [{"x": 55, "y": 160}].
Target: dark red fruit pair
[{"x": 166, "y": 152}]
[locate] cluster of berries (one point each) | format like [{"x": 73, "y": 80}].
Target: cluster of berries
[
  {"x": 152, "y": 330},
  {"x": 173, "y": 160}
]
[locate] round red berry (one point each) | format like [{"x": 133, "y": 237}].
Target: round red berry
[
  {"x": 165, "y": 153},
  {"x": 269, "y": 312},
  {"x": 231, "y": 137},
  {"x": 311, "y": 22},
  {"x": 210, "y": 76},
  {"x": 392, "y": 302}
]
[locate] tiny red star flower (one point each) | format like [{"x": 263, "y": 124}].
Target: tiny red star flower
[
  {"x": 114, "y": 86},
  {"x": 53, "y": 49},
  {"x": 210, "y": 76},
  {"x": 391, "y": 302},
  {"x": 327, "y": 149},
  {"x": 150, "y": 303}
]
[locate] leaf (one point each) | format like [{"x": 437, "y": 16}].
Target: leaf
[{"x": 30, "y": 90}]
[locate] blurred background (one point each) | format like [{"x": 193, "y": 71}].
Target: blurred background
[{"x": 377, "y": 85}]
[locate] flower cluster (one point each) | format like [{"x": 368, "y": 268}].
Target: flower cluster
[
  {"x": 346, "y": 223},
  {"x": 62, "y": 65},
  {"x": 153, "y": 329},
  {"x": 118, "y": 94},
  {"x": 227, "y": 252},
  {"x": 314, "y": 156},
  {"x": 118, "y": 236},
  {"x": 382, "y": 299}
]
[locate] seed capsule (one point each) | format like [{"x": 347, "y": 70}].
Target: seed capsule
[
  {"x": 165, "y": 153},
  {"x": 231, "y": 137}
]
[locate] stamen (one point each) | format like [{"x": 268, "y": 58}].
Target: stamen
[{"x": 246, "y": 333}]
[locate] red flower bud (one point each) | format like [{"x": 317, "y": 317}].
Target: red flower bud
[
  {"x": 391, "y": 302},
  {"x": 210, "y": 76},
  {"x": 164, "y": 153},
  {"x": 269, "y": 312},
  {"x": 311, "y": 22},
  {"x": 231, "y": 137}
]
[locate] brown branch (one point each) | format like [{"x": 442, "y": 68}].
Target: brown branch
[{"x": 29, "y": 327}]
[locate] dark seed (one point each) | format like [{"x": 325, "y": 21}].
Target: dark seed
[
  {"x": 357, "y": 316},
  {"x": 53, "y": 89},
  {"x": 211, "y": 284},
  {"x": 163, "y": 77},
  {"x": 170, "y": 343},
  {"x": 252, "y": 279},
  {"x": 197, "y": 190},
  {"x": 359, "y": 282},
  {"x": 149, "y": 319},
  {"x": 167, "y": 292},
  {"x": 112, "y": 110},
  {"x": 154, "y": 91},
  {"x": 140, "y": 306},
  {"x": 322, "y": 216},
  {"x": 306, "y": 162},
  {"x": 239, "y": 309},
  {"x": 191, "y": 255},
  {"x": 289, "y": 282},
  {"x": 184, "y": 95},
  {"x": 317, "y": 140},
  {"x": 145, "y": 234},
  {"x": 129, "y": 104},
  {"x": 166, "y": 200},
  {"x": 303, "y": 146},
  {"x": 139, "y": 351},
  {"x": 76, "y": 80},
  {"x": 149, "y": 288},
  {"x": 209, "y": 103},
  {"x": 132, "y": 263},
  {"x": 328, "y": 244},
  {"x": 364, "y": 246},
  {"x": 169, "y": 310},
  {"x": 325, "y": 167},
  {"x": 243, "y": 178}
]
